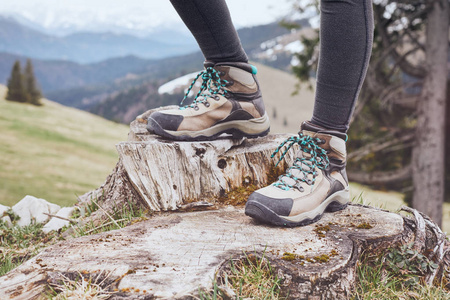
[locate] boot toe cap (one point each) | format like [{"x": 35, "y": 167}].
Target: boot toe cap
[
  {"x": 164, "y": 120},
  {"x": 280, "y": 206}
]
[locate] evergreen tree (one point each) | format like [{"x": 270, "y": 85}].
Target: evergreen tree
[
  {"x": 16, "y": 88},
  {"x": 31, "y": 87}
]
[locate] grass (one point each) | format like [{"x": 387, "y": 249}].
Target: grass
[
  {"x": 121, "y": 217},
  {"x": 377, "y": 279},
  {"x": 389, "y": 200},
  {"x": 254, "y": 278},
  {"x": 249, "y": 278},
  {"x": 18, "y": 244},
  {"x": 79, "y": 288},
  {"x": 53, "y": 152}
]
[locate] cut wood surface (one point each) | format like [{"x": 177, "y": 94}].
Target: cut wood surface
[{"x": 173, "y": 255}]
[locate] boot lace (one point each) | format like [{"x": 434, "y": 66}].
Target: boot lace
[
  {"x": 212, "y": 86},
  {"x": 303, "y": 166}
]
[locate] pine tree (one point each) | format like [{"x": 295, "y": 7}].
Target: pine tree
[
  {"x": 31, "y": 87},
  {"x": 16, "y": 88}
]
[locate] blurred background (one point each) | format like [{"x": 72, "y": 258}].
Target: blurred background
[{"x": 101, "y": 63}]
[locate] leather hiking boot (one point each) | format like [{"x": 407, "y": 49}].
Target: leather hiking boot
[
  {"x": 229, "y": 101},
  {"x": 315, "y": 183}
]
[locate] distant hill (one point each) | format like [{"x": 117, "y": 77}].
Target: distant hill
[
  {"x": 53, "y": 152},
  {"x": 84, "y": 47},
  {"x": 60, "y": 75}
]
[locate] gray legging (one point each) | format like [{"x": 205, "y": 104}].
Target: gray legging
[{"x": 346, "y": 35}]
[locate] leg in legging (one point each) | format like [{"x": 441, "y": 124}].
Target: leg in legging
[
  {"x": 210, "y": 23},
  {"x": 346, "y": 35}
]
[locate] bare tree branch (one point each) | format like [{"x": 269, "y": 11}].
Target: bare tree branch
[
  {"x": 381, "y": 177},
  {"x": 378, "y": 145}
]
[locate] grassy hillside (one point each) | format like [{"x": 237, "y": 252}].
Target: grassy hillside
[
  {"x": 286, "y": 111},
  {"x": 53, "y": 152}
]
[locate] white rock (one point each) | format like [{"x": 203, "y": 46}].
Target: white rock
[
  {"x": 5, "y": 218},
  {"x": 57, "y": 223},
  {"x": 3, "y": 209},
  {"x": 30, "y": 208}
]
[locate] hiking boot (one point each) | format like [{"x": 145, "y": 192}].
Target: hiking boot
[
  {"x": 229, "y": 101},
  {"x": 315, "y": 183}
]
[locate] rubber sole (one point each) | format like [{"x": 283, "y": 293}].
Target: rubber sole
[
  {"x": 264, "y": 214},
  {"x": 214, "y": 132}
]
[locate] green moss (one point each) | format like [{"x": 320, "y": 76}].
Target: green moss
[
  {"x": 292, "y": 256},
  {"x": 321, "y": 230},
  {"x": 239, "y": 195},
  {"x": 274, "y": 172},
  {"x": 288, "y": 256},
  {"x": 364, "y": 226},
  {"x": 323, "y": 258}
]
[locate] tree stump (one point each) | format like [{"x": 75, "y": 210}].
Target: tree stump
[
  {"x": 168, "y": 175},
  {"x": 173, "y": 255}
]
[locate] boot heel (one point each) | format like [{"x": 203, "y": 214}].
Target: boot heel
[{"x": 335, "y": 206}]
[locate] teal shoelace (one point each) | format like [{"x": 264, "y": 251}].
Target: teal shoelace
[
  {"x": 305, "y": 165},
  {"x": 212, "y": 86}
]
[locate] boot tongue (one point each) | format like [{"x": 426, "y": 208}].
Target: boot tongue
[
  {"x": 312, "y": 129},
  {"x": 208, "y": 64},
  {"x": 334, "y": 140},
  {"x": 241, "y": 65}
]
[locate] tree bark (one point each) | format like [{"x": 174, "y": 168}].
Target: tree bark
[{"x": 428, "y": 152}]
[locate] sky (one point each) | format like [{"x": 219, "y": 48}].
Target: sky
[{"x": 145, "y": 15}]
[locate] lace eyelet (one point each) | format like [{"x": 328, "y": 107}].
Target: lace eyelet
[
  {"x": 299, "y": 187},
  {"x": 196, "y": 107},
  {"x": 217, "y": 98},
  {"x": 322, "y": 141},
  {"x": 230, "y": 82},
  {"x": 207, "y": 104}
]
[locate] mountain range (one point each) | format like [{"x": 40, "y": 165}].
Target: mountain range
[
  {"x": 121, "y": 81},
  {"x": 88, "y": 47}
]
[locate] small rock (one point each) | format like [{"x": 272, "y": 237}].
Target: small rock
[
  {"x": 3, "y": 209},
  {"x": 7, "y": 221},
  {"x": 5, "y": 218},
  {"x": 30, "y": 208},
  {"x": 57, "y": 223}
]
